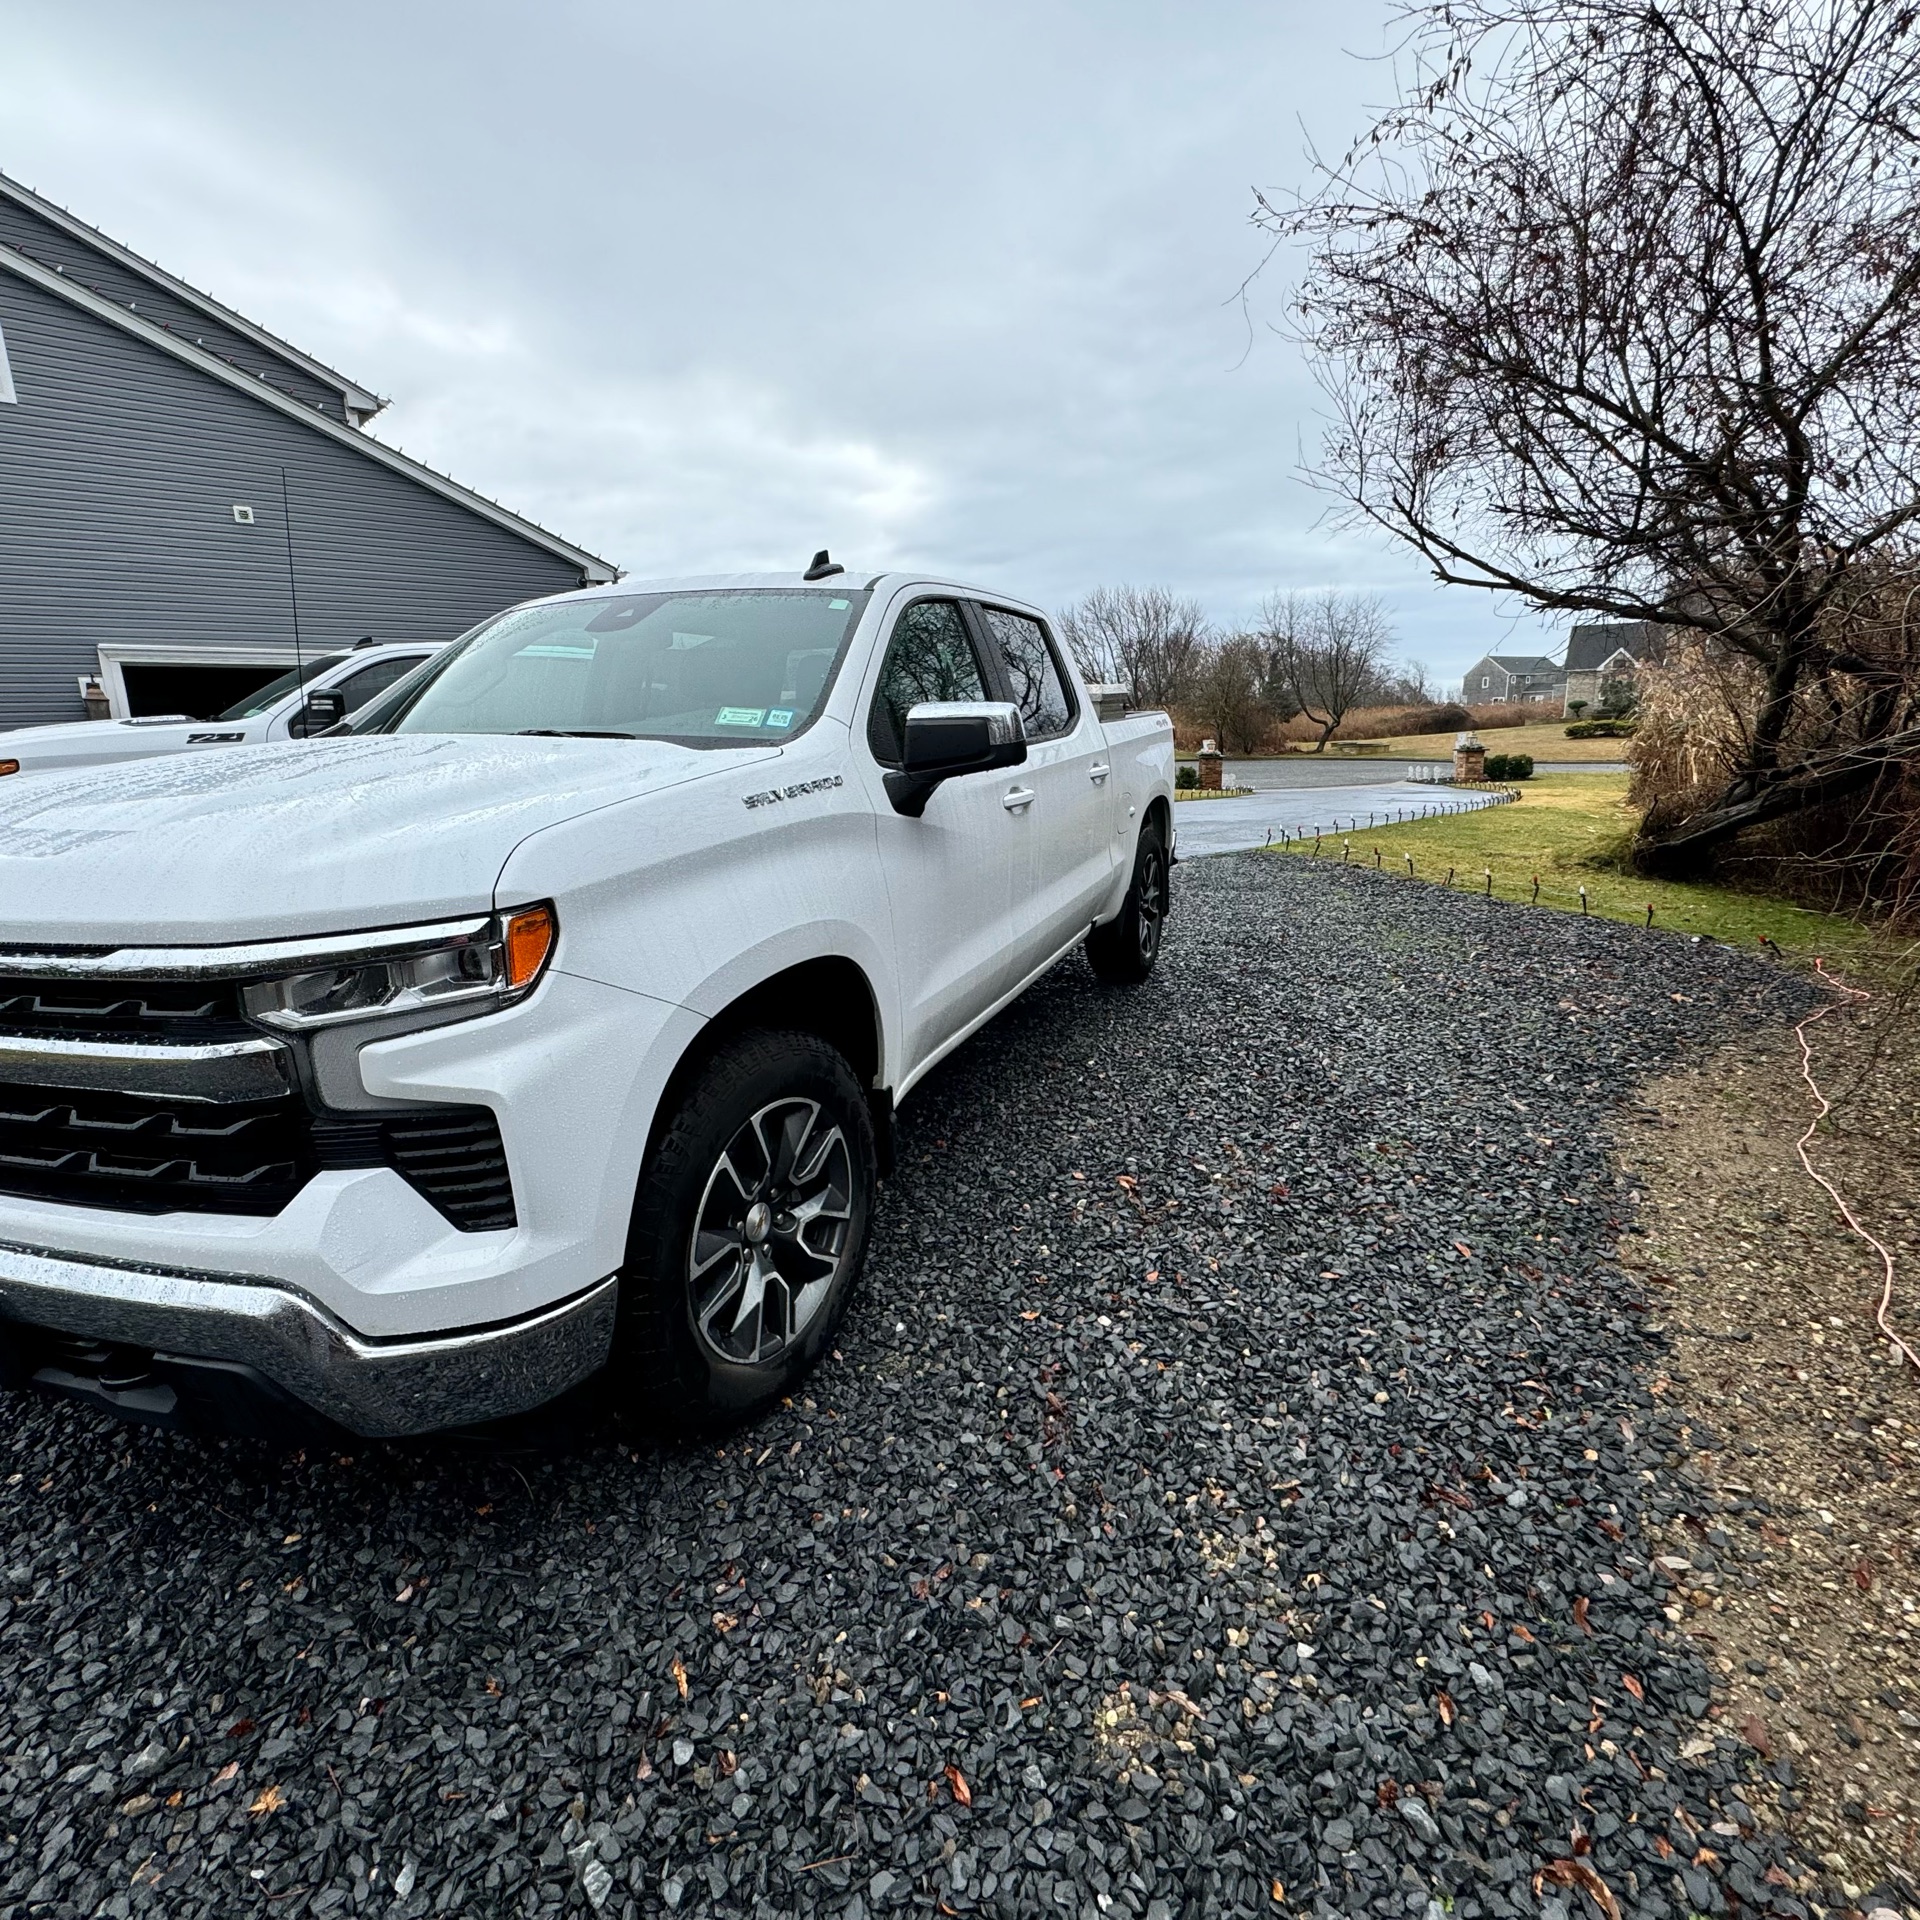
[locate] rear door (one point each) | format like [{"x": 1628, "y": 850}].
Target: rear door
[
  {"x": 953, "y": 875},
  {"x": 1069, "y": 849}
]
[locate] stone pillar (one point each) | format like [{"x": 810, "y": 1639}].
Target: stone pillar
[
  {"x": 1469, "y": 758},
  {"x": 1208, "y": 761}
]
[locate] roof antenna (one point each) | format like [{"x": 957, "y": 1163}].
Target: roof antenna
[
  {"x": 365, "y": 640},
  {"x": 824, "y": 567},
  {"x": 293, "y": 589}
]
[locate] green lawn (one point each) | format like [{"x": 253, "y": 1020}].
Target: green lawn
[{"x": 1570, "y": 830}]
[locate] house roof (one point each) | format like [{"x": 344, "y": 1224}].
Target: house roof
[
  {"x": 360, "y": 403},
  {"x": 1591, "y": 647},
  {"x": 64, "y": 287},
  {"x": 1525, "y": 662}
]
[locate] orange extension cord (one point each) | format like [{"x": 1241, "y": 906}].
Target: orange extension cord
[{"x": 1814, "y": 1173}]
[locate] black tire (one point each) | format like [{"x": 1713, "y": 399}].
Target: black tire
[
  {"x": 1125, "y": 949},
  {"x": 727, "y": 1205}
]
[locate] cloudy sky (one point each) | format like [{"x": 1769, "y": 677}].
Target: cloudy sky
[{"x": 706, "y": 287}]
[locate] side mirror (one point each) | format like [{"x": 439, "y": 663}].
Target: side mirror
[
  {"x": 321, "y": 710},
  {"x": 948, "y": 738}
]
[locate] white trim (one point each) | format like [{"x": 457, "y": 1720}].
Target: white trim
[
  {"x": 7, "y": 395},
  {"x": 595, "y": 570},
  {"x": 354, "y": 397},
  {"x": 116, "y": 654}
]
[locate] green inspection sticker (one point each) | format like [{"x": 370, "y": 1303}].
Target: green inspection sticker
[
  {"x": 839, "y": 606},
  {"x": 739, "y": 716}
]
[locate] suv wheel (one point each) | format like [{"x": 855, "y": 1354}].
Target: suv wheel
[
  {"x": 1124, "y": 950},
  {"x": 748, "y": 1231}
]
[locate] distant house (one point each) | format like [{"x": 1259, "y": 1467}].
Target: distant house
[
  {"x": 1500, "y": 677},
  {"x": 188, "y": 504},
  {"x": 1611, "y": 651}
]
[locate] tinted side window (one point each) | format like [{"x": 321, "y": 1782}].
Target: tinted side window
[
  {"x": 1033, "y": 677},
  {"x": 928, "y": 658},
  {"x": 362, "y": 686}
]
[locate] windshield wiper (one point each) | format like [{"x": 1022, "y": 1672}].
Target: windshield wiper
[{"x": 573, "y": 733}]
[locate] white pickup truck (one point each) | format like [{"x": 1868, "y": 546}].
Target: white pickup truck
[
  {"x": 551, "y": 1024},
  {"x": 308, "y": 699}
]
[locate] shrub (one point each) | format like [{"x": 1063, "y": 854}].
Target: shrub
[
  {"x": 1185, "y": 776},
  {"x": 1577, "y": 707},
  {"x": 1601, "y": 730},
  {"x": 1509, "y": 766}
]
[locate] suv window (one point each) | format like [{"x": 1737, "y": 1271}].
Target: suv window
[
  {"x": 928, "y": 658},
  {"x": 1033, "y": 675}
]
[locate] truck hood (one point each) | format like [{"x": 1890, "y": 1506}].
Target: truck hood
[
  {"x": 88, "y": 743},
  {"x": 310, "y": 837}
]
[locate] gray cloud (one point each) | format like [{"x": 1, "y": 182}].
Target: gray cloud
[{"x": 710, "y": 287}]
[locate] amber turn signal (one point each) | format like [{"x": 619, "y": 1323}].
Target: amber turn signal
[
  {"x": 530, "y": 935},
  {"x": 9, "y": 766}
]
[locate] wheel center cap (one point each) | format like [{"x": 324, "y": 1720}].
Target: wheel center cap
[{"x": 759, "y": 1221}]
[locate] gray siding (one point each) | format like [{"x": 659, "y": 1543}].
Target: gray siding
[
  {"x": 119, "y": 470},
  {"x": 51, "y": 246}
]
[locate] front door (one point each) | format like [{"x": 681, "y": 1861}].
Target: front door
[{"x": 953, "y": 875}]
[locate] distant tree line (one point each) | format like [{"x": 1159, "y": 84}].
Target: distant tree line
[{"x": 1312, "y": 657}]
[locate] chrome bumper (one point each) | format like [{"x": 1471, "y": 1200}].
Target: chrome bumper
[{"x": 378, "y": 1388}]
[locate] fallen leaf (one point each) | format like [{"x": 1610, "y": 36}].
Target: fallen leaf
[
  {"x": 1580, "y": 1614},
  {"x": 1279, "y": 1894},
  {"x": 1663, "y": 1846},
  {"x": 1633, "y": 1686},
  {"x": 728, "y": 1764},
  {"x": 267, "y": 1800},
  {"x": 1523, "y": 1634},
  {"x": 680, "y": 1675},
  {"x": 1863, "y": 1576},
  {"x": 1576, "y": 1873},
  {"x": 1463, "y": 1250},
  {"x": 176, "y": 1796},
  {"x": 1444, "y": 1702},
  {"x": 226, "y": 1773},
  {"x": 1488, "y": 1621},
  {"x": 643, "y": 1768},
  {"x": 240, "y": 1729},
  {"x": 958, "y": 1782},
  {"x": 725, "y": 1622},
  {"x": 1753, "y": 1730}
]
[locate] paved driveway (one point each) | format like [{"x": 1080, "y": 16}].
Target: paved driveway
[
  {"x": 1230, "y": 826},
  {"x": 1233, "y": 1494},
  {"x": 1337, "y": 770}
]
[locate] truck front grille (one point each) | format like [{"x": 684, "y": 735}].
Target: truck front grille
[
  {"x": 134, "y": 1154},
  {"x": 187, "y": 1011},
  {"x": 152, "y": 1156}
]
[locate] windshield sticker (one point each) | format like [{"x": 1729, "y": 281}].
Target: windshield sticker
[
  {"x": 839, "y": 606},
  {"x": 779, "y": 716},
  {"x": 774, "y": 795},
  {"x": 739, "y": 716},
  {"x": 552, "y": 650}
]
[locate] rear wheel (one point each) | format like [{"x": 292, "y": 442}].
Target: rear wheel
[
  {"x": 748, "y": 1232},
  {"x": 1125, "y": 949}
]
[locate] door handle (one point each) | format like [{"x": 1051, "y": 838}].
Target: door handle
[
  {"x": 1098, "y": 771},
  {"x": 1016, "y": 798}
]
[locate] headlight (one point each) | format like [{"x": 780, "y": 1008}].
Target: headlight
[{"x": 488, "y": 967}]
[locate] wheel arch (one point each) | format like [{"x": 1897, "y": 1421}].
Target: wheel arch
[{"x": 829, "y": 996}]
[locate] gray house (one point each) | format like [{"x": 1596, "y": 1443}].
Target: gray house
[
  {"x": 1500, "y": 677},
  {"x": 1609, "y": 653},
  {"x": 183, "y": 496}
]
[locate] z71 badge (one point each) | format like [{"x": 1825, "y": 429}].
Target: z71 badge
[
  {"x": 213, "y": 739},
  {"x": 774, "y": 794}
]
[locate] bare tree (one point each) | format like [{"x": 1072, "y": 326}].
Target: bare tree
[
  {"x": 1226, "y": 696},
  {"x": 1326, "y": 653},
  {"x": 1617, "y": 312},
  {"x": 1142, "y": 638}
]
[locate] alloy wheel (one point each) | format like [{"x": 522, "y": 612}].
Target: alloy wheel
[{"x": 771, "y": 1233}]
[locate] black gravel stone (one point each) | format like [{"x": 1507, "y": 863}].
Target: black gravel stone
[{"x": 1242, "y": 1393}]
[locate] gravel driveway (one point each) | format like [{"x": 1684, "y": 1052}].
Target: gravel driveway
[{"x": 1230, "y": 1491}]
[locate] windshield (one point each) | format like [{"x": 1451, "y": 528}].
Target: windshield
[
  {"x": 274, "y": 691},
  {"x": 727, "y": 668}
]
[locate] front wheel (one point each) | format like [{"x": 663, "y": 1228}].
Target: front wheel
[
  {"x": 1125, "y": 949},
  {"x": 748, "y": 1231}
]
